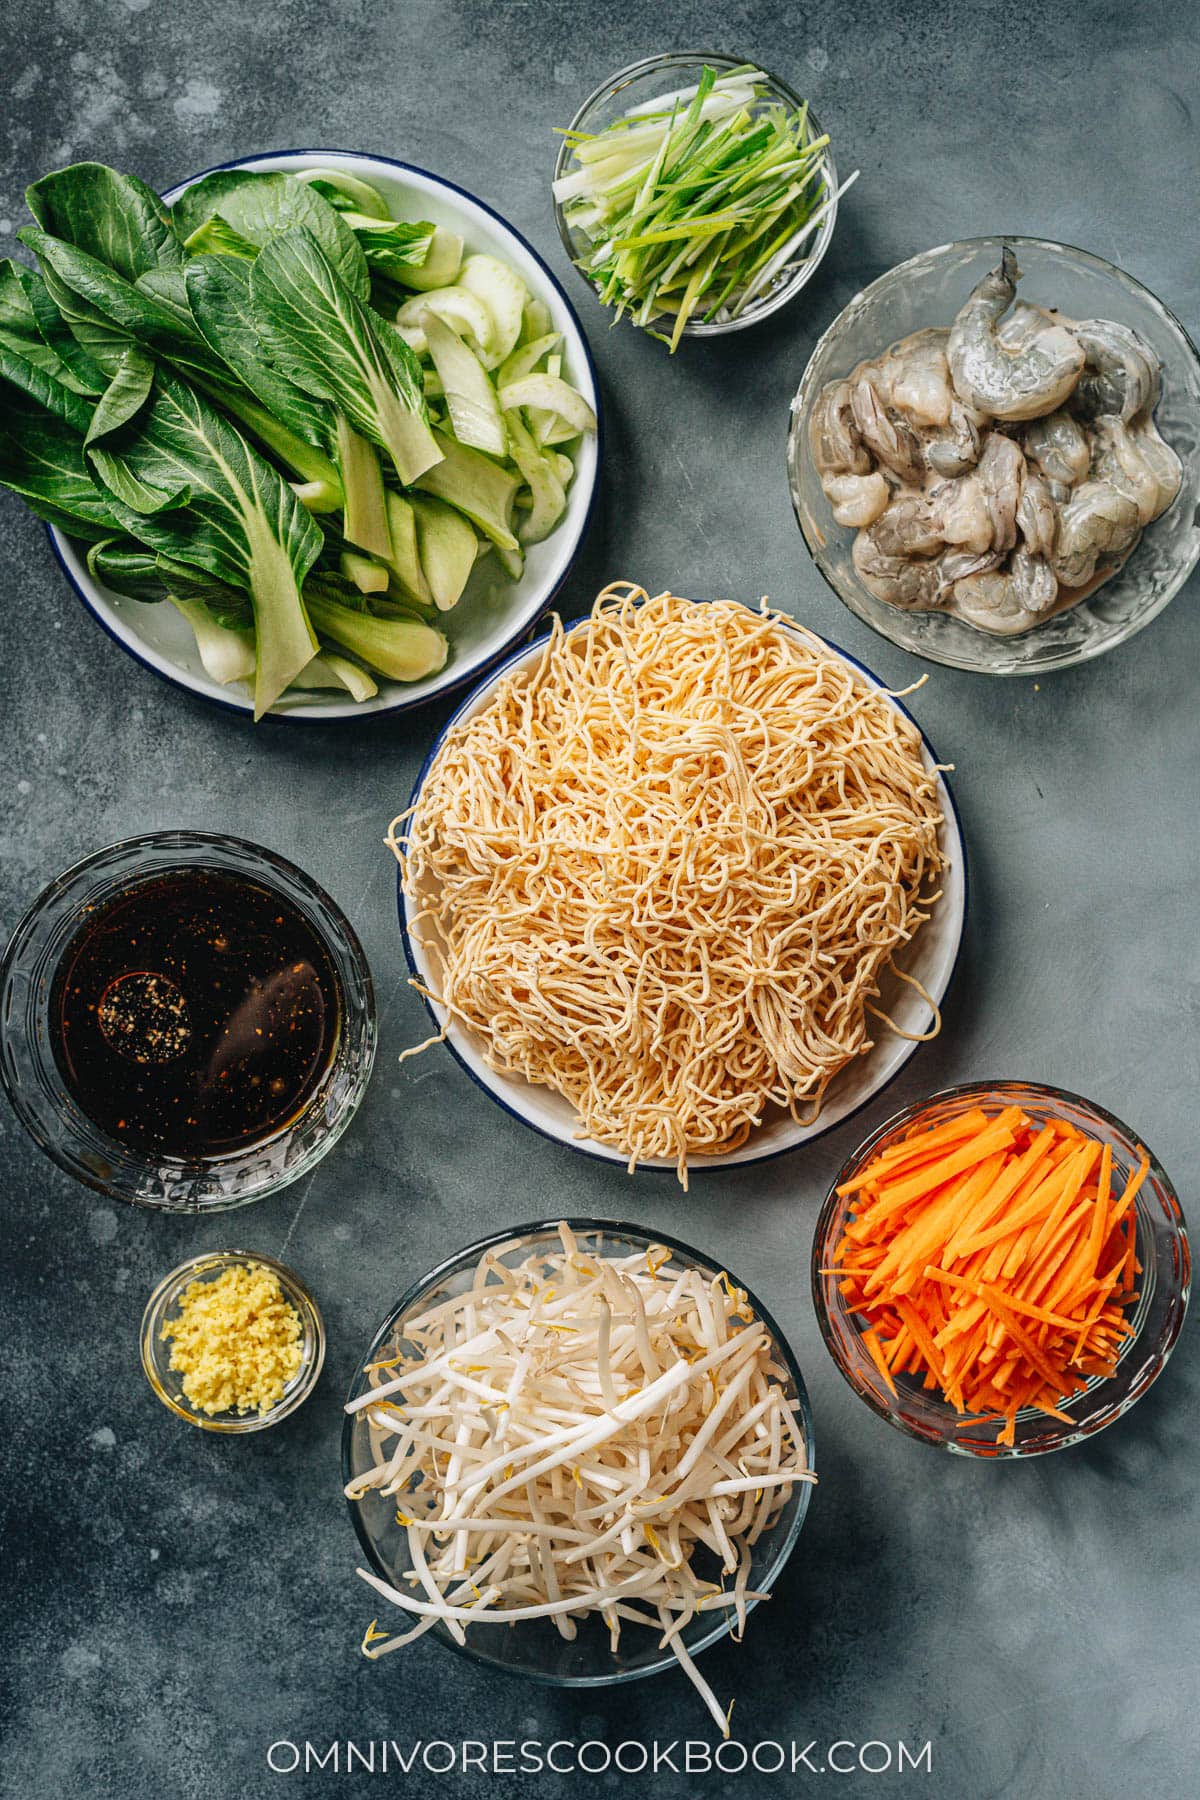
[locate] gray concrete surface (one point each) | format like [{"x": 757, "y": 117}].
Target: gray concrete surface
[{"x": 175, "y": 1604}]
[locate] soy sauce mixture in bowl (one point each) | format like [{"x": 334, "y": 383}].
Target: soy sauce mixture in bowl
[{"x": 195, "y": 1013}]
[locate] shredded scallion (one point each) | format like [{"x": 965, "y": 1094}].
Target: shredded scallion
[{"x": 694, "y": 205}]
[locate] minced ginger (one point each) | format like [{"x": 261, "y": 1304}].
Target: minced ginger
[{"x": 237, "y": 1341}]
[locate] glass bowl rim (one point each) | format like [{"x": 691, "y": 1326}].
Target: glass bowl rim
[
  {"x": 296, "y": 1291},
  {"x": 632, "y": 1233},
  {"x": 774, "y": 298},
  {"x": 239, "y": 851},
  {"x": 910, "y": 1114},
  {"x": 801, "y": 405}
]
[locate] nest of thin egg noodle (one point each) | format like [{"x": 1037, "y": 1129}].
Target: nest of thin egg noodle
[{"x": 664, "y": 869}]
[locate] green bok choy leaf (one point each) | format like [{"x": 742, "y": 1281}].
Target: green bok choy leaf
[
  {"x": 242, "y": 523},
  {"x": 320, "y": 336}
]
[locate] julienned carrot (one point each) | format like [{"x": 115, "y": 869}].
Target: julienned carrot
[
  {"x": 956, "y": 1131},
  {"x": 990, "y": 1260},
  {"x": 879, "y": 1359}
]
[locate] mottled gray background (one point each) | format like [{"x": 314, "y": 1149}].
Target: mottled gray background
[{"x": 173, "y": 1603}]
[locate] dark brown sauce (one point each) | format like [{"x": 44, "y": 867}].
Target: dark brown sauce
[{"x": 195, "y": 1014}]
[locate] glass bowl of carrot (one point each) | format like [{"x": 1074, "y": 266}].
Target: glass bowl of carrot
[{"x": 1001, "y": 1270}]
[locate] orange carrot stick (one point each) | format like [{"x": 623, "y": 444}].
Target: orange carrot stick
[
  {"x": 875, "y": 1350},
  {"x": 989, "y": 1260}
]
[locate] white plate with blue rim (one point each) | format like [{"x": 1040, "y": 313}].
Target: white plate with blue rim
[
  {"x": 931, "y": 960},
  {"x": 494, "y": 613}
]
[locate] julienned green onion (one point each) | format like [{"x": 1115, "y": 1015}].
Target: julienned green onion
[{"x": 695, "y": 204}]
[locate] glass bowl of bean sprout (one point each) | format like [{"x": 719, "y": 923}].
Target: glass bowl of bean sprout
[
  {"x": 1068, "y": 285},
  {"x": 779, "y": 248},
  {"x": 633, "y": 1461}
]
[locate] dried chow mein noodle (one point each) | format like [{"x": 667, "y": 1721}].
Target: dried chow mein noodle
[{"x": 664, "y": 870}]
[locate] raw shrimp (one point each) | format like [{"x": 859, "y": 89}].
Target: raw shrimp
[
  {"x": 1098, "y": 525},
  {"x": 956, "y": 565},
  {"x": 900, "y": 580},
  {"x": 1037, "y": 516},
  {"x": 857, "y": 500},
  {"x": 1011, "y": 600},
  {"x": 917, "y": 378},
  {"x": 1058, "y": 446},
  {"x": 978, "y": 512},
  {"x": 1120, "y": 375},
  {"x": 1001, "y": 468},
  {"x": 913, "y": 380},
  {"x": 1139, "y": 463},
  {"x": 963, "y": 513},
  {"x": 1025, "y": 318},
  {"x": 955, "y": 448},
  {"x": 909, "y": 527},
  {"x": 1008, "y": 383},
  {"x": 892, "y": 441},
  {"x": 833, "y": 439}
]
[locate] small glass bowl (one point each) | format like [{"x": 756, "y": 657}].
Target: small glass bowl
[
  {"x": 928, "y": 290},
  {"x": 650, "y": 79},
  {"x": 534, "y": 1647},
  {"x": 1157, "y": 1316},
  {"x": 51, "y": 1114},
  {"x": 163, "y": 1304}
]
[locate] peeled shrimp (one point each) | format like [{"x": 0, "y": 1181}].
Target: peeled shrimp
[
  {"x": 857, "y": 500},
  {"x": 900, "y": 580},
  {"x": 1019, "y": 383},
  {"x": 956, "y": 565},
  {"x": 1120, "y": 376},
  {"x": 1098, "y": 524},
  {"x": 1037, "y": 516},
  {"x": 1059, "y": 448},
  {"x": 1001, "y": 468},
  {"x": 891, "y": 440},
  {"x": 917, "y": 377},
  {"x": 1010, "y": 600},
  {"x": 1139, "y": 463},
  {"x": 909, "y": 527},
  {"x": 1018, "y": 327},
  {"x": 955, "y": 448},
  {"x": 963, "y": 513},
  {"x": 978, "y": 512},
  {"x": 834, "y": 442}
]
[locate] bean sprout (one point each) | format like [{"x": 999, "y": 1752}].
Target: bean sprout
[{"x": 567, "y": 1436}]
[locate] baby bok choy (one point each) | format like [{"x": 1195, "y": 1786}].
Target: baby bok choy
[{"x": 308, "y": 426}]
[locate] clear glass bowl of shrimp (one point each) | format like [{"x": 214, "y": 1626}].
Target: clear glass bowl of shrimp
[{"x": 928, "y": 291}]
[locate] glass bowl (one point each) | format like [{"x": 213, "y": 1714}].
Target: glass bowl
[
  {"x": 927, "y": 291},
  {"x": 1157, "y": 1315},
  {"x": 534, "y": 1647},
  {"x": 163, "y": 1304},
  {"x": 652, "y": 79},
  {"x": 51, "y": 1114}
]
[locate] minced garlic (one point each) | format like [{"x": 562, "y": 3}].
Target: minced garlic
[{"x": 237, "y": 1341}]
